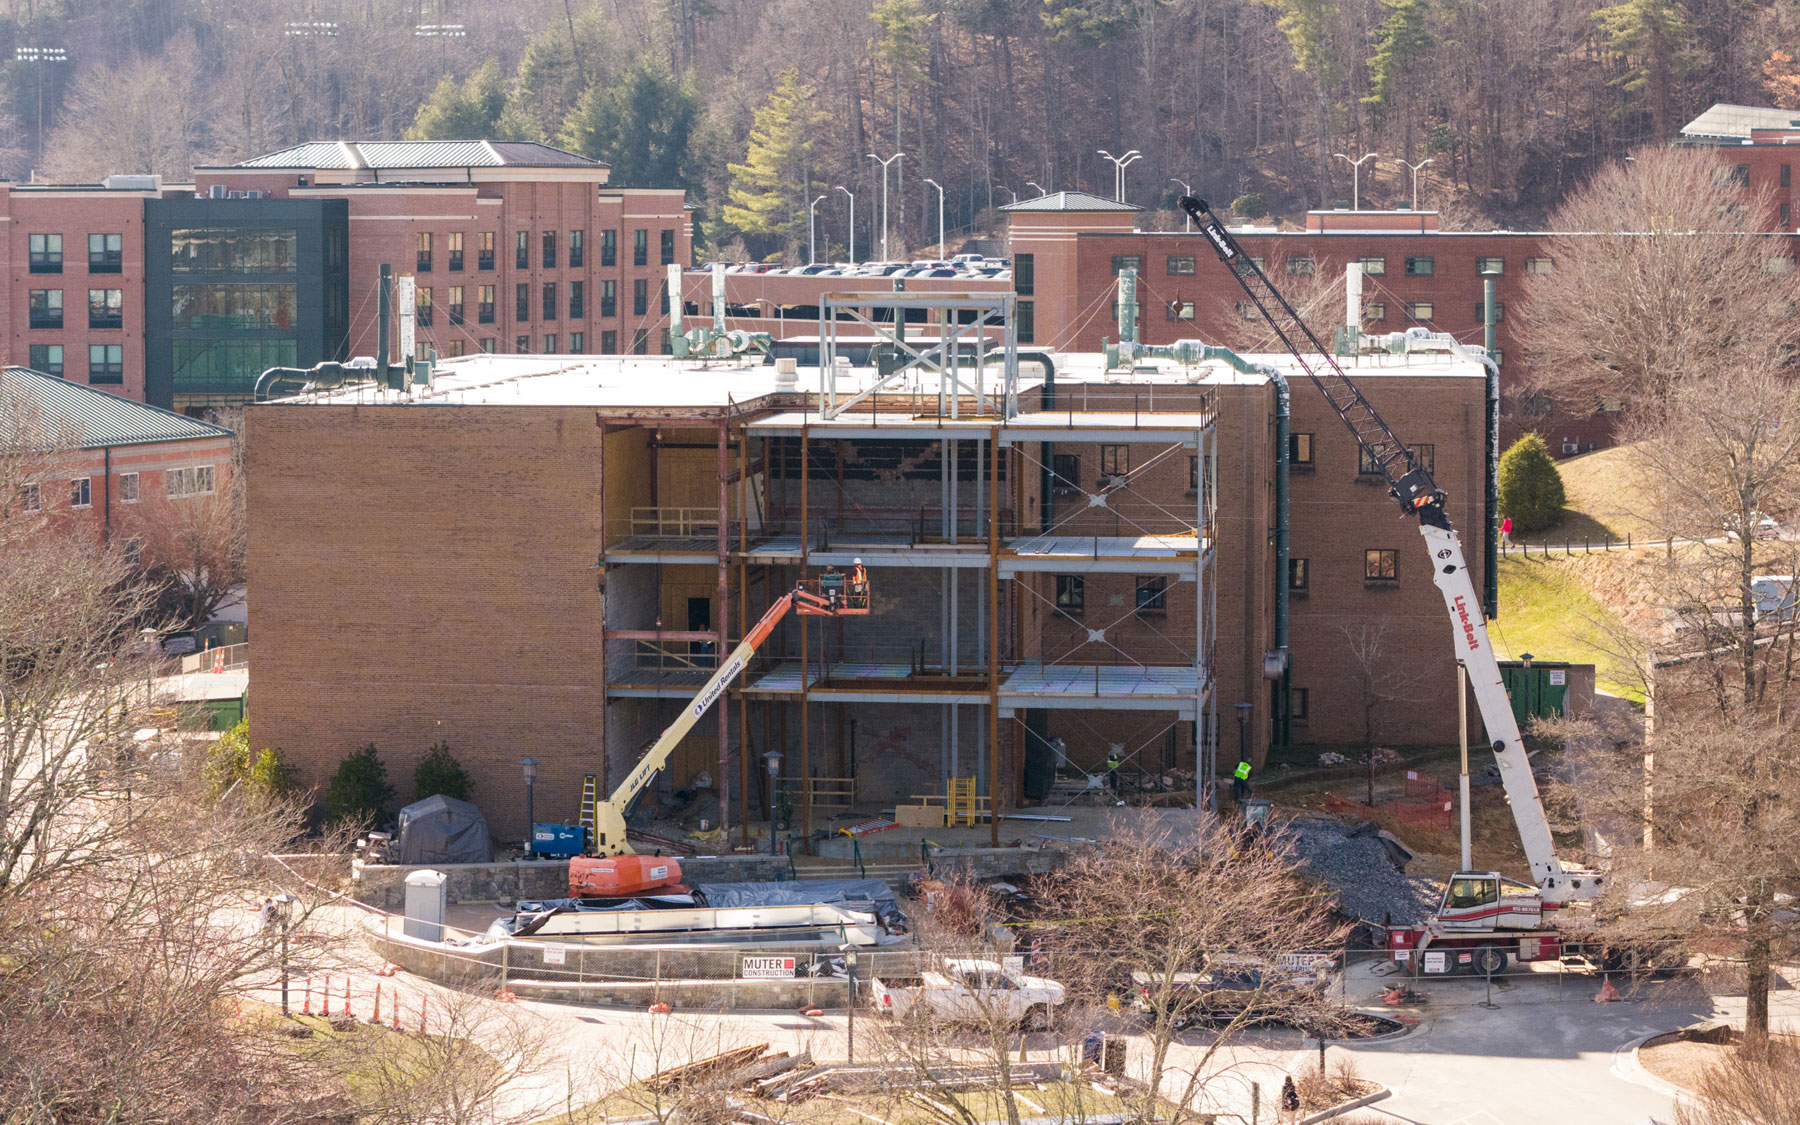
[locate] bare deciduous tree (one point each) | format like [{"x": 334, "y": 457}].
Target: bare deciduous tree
[
  {"x": 1382, "y": 678},
  {"x": 193, "y": 546}
]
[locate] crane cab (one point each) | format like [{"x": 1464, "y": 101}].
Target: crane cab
[
  {"x": 1483, "y": 900},
  {"x": 837, "y": 592}
]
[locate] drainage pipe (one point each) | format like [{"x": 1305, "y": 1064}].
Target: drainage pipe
[
  {"x": 385, "y": 316},
  {"x": 1490, "y": 569}
]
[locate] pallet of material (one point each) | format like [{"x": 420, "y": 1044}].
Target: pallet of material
[{"x": 724, "y": 1063}]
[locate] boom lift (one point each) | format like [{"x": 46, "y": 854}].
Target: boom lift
[
  {"x": 1477, "y": 905},
  {"x": 836, "y": 594}
]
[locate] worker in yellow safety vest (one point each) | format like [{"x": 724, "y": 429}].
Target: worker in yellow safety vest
[{"x": 1240, "y": 782}]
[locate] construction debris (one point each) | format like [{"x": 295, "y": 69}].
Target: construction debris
[
  {"x": 688, "y": 1073},
  {"x": 1360, "y": 867}
]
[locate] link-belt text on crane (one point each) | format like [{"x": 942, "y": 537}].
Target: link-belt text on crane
[
  {"x": 1226, "y": 250},
  {"x": 1468, "y": 626}
]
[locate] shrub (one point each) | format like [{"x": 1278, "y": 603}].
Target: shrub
[
  {"x": 1250, "y": 205},
  {"x": 1531, "y": 490},
  {"x": 231, "y": 762},
  {"x": 359, "y": 790},
  {"x": 440, "y": 772}
]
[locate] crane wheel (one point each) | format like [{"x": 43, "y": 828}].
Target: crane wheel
[{"x": 1489, "y": 961}]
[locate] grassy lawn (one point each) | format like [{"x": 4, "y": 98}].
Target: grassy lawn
[
  {"x": 1546, "y": 610},
  {"x": 1600, "y": 502}
]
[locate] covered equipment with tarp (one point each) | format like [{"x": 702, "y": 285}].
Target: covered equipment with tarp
[{"x": 443, "y": 829}]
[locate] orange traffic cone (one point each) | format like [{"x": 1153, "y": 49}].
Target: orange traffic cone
[
  {"x": 326, "y": 1010},
  {"x": 422, "y": 1001},
  {"x": 659, "y": 1009},
  {"x": 376, "y": 1018},
  {"x": 1607, "y": 994},
  {"x": 306, "y": 1004}
]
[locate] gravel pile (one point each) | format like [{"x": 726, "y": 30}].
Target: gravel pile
[{"x": 1354, "y": 862}]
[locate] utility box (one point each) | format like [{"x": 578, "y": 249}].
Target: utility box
[
  {"x": 1539, "y": 689},
  {"x": 427, "y": 902},
  {"x": 557, "y": 840}
]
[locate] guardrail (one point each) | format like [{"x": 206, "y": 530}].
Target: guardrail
[{"x": 226, "y": 658}]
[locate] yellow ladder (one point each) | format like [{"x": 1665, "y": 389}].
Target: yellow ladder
[
  {"x": 588, "y": 796},
  {"x": 959, "y": 801}
]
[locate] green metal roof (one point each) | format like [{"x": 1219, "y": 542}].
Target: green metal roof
[
  {"x": 97, "y": 420},
  {"x": 1069, "y": 201}
]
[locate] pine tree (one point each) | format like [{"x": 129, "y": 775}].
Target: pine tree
[
  {"x": 359, "y": 791},
  {"x": 770, "y": 189},
  {"x": 439, "y": 772},
  {"x": 462, "y": 112},
  {"x": 1655, "y": 42},
  {"x": 641, "y": 123},
  {"x": 1401, "y": 44},
  {"x": 1531, "y": 490}
]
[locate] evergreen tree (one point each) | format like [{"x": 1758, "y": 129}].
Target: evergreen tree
[
  {"x": 557, "y": 68},
  {"x": 231, "y": 763},
  {"x": 1531, "y": 490},
  {"x": 439, "y": 772},
  {"x": 359, "y": 791},
  {"x": 1401, "y": 44},
  {"x": 462, "y": 112},
  {"x": 641, "y": 123},
  {"x": 770, "y": 189},
  {"x": 1655, "y": 42}
]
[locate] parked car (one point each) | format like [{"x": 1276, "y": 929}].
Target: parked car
[
  {"x": 1235, "y": 988},
  {"x": 1761, "y": 527},
  {"x": 965, "y": 991}
]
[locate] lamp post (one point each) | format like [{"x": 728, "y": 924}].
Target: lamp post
[
  {"x": 884, "y": 208},
  {"x": 772, "y": 760},
  {"x": 812, "y": 251},
  {"x": 1120, "y": 163},
  {"x": 940, "y": 188},
  {"x": 1355, "y": 177},
  {"x": 530, "y": 765},
  {"x": 1009, "y": 191},
  {"x": 284, "y": 917},
  {"x": 1238, "y": 787},
  {"x": 1040, "y": 187},
  {"x": 1186, "y": 189},
  {"x": 1414, "y": 168},
  {"x": 852, "y": 196},
  {"x": 850, "y": 1030}
]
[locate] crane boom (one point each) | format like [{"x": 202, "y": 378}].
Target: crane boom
[
  {"x": 609, "y": 815},
  {"x": 1411, "y": 483}
]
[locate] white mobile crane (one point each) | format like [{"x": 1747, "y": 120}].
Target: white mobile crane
[
  {"x": 1484, "y": 919},
  {"x": 836, "y": 594}
]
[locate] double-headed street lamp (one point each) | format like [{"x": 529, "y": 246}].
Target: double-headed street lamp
[
  {"x": 1120, "y": 163},
  {"x": 852, "y": 197},
  {"x": 1040, "y": 187},
  {"x": 940, "y": 188},
  {"x": 884, "y": 206},
  {"x": 1355, "y": 177},
  {"x": 1414, "y": 168},
  {"x": 812, "y": 251}
]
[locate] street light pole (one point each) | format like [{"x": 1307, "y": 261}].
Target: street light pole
[
  {"x": 1040, "y": 187},
  {"x": 284, "y": 917},
  {"x": 530, "y": 765},
  {"x": 852, "y": 196},
  {"x": 884, "y": 198},
  {"x": 812, "y": 250},
  {"x": 1415, "y": 178},
  {"x": 773, "y": 760},
  {"x": 1186, "y": 189},
  {"x": 1355, "y": 177},
  {"x": 1120, "y": 163},
  {"x": 940, "y": 188},
  {"x": 1009, "y": 191}
]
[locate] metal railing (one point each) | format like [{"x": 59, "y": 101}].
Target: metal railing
[
  {"x": 678, "y": 523},
  {"x": 227, "y": 658}
]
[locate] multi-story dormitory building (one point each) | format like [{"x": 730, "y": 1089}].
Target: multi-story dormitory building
[
  {"x": 539, "y": 557},
  {"x": 181, "y": 295}
]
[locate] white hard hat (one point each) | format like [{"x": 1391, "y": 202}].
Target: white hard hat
[{"x": 856, "y": 562}]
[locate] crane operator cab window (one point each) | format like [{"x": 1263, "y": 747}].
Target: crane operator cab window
[{"x": 1467, "y": 892}]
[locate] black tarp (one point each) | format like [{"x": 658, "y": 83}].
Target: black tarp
[{"x": 443, "y": 830}]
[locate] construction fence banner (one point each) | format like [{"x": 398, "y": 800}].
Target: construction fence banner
[{"x": 768, "y": 968}]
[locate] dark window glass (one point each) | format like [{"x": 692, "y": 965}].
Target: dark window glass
[
  {"x": 422, "y": 306},
  {"x": 1787, "y": 175},
  {"x": 1024, "y": 273},
  {"x": 1065, "y": 472},
  {"x": 484, "y": 251},
  {"x": 549, "y": 343},
  {"x": 1181, "y": 265},
  {"x": 577, "y": 297},
  {"x": 1297, "y": 701},
  {"x": 1741, "y": 175},
  {"x": 212, "y": 307},
  {"x": 232, "y": 250},
  {"x": 640, "y": 341},
  {"x": 640, "y": 297},
  {"x": 1025, "y": 313},
  {"x": 484, "y": 305},
  {"x": 1381, "y": 564},
  {"x": 609, "y": 247},
  {"x": 609, "y": 342},
  {"x": 1425, "y": 456},
  {"x": 1481, "y": 312},
  {"x": 1123, "y": 262},
  {"x": 1193, "y": 474},
  {"x": 522, "y": 302},
  {"x": 1071, "y": 593},
  {"x": 455, "y": 251},
  {"x": 522, "y": 344},
  {"x": 1787, "y": 216},
  {"x": 106, "y": 253},
  {"x": 1374, "y": 312},
  {"x": 46, "y": 308},
  {"x": 663, "y": 297},
  {"x": 106, "y": 363},
  {"x": 640, "y": 247},
  {"x": 1153, "y": 596},
  {"x": 549, "y": 250},
  {"x": 1420, "y": 267},
  {"x": 549, "y": 306},
  {"x": 227, "y": 366},
  {"x": 522, "y": 250},
  {"x": 106, "y": 308},
  {"x": 455, "y": 303},
  {"x": 424, "y": 251},
  {"x": 1302, "y": 267},
  {"x": 577, "y": 342},
  {"x": 609, "y": 299},
  {"x": 577, "y": 249},
  {"x": 668, "y": 246},
  {"x": 46, "y": 253},
  {"x": 47, "y": 358},
  {"x": 1115, "y": 460}
]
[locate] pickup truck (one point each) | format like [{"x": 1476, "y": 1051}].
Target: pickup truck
[
  {"x": 968, "y": 991},
  {"x": 1233, "y": 988}
]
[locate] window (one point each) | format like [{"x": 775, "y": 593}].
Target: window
[
  {"x": 46, "y": 308},
  {"x": 1490, "y": 265},
  {"x": 1381, "y": 564},
  {"x": 1424, "y": 456},
  {"x": 1115, "y": 460},
  {"x": 106, "y": 363},
  {"x": 640, "y": 341},
  {"x": 484, "y": 250},
  {"x": 668, "y": 246},
  {"x": 577, "y": 343},
  {"x": 1787, "y": 175},
  {"x": 423, "y": 256},
  {"x": 577, "y": 249},
  {"x": 455, "y": 301},
  {"x": 31, "y": 498},
  {"x": 609, "y": 247},
  {"x": 1024, "y": 273},
  {"x": 640, "y": 297},
  {"x": 1420, "y": 310},
  {"x": 212, "y": 366},
  {"x": 128, "y": 488},
  {"x": 663, "y": 297},
  {"x": 577, "y": 300},
  {"x": 46, "y": 253},
  {"x": 197, "y": 481},
  {"x": 1071, "y": 594},
  {"x": 1152, "y": 596},
  {"x": 522, "y": 301},
  {"x": 1499, "y": 357},
  {"x": 1299, "y": 574},
  {"x": 106, "y": 253},
  {"x": 609, "y": 298},
  {"x": 549, "y": 262},
  {"x": 232, "y": 250},
  {"x": 1536, "y": 405},
  {"x": 522, "y": 344},
  {"x": 1374, "y": 312},
  {"x": 1123, "y": 262},
  {"x": 549, "y": 306},
  {"x": 489, "y": 344},
  {"x": 1500, "y": 309},
  {"x": 1740, "y": 175},
  {"x": 47, "y": 358},
  {"x": 1025, "y": 316},
  {"x": 1193, "y": 475},
  {"x": 1247, "y": 311},
  {"x": 1302, "y": 267},
  {"x": 1300, "y": 449},
  {"x": 81, "y": 491},
  {"x": 134, "y": 550},
  {"x": 1181, "y": 265},
  {"x": 1540, "y": 266},
  {"x": 454, "y": 249},
  {"x": 422, "y": 306},
  {"x": 1065, "y": 472},
  {"x": 1180, "y": 310},
  {"x": 640, "y": 247},
  {"x": 1372, "y": 265},
  {"x": 609, "y": 343},
  {"x": 522, "y": 250},
  {"x": 1113, "y": 307},
  {"x": 1420, "y": 267},
  {"x": 1787, "y": 216},
  {"x": 212, "y": 307},
  {"x": 1297, "y": 704},
  {"x": 484, "y": 304},
  {"x": 1256, "y": 260},
  {"x": 550, "y": 343}
]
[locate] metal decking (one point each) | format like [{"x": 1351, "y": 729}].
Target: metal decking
[
  {"x": 1061, "y": 554},
  {"x": 1033, "y": 684}
]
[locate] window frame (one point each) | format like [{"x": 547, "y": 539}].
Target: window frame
[
  {"x": 1180, "y": 265},
  {"x": 640, "y": 246},
  {"x": 37, "y": 316},
  {"x": 453, "y": 251},
  {"x": 577, "y": 249},
  {"x": 110, "y": 371},
  {"x": 48, "y": 367},
  {"x": 1483, "y": 261},
  {"x": 422, "y": 251},
  {"x": 1541, "y": 266},
  {"x": 666, "y": 249},
  {"x": 1299, "y": 576},
  {"x": 1413, "y": 311},
  {"x": 609, "y": 248},
  {"x": 484, "y": 304},
  {"x": 1305, "y": 265},
  {"x": 1376, "y": 561},
  {"x": 1150, "y": 595},
  {"x": 521, "y": 301},
  {"x": 1069, "y": 595},
  {"x": 522, "y": 250},
  {"x": 577, "y": 300},
  {"x": 40, "y": 258},
  {"x": 453, "y": 303},
  {"x": 422, "y": 306},
  {"x": 81, "y": 492},
  {"x": 111, "y": 255},
  {"x": 1373, "y": 265},
  {"x": 1378, "y": 316},
  {"x": 609, "y": 299},
  {"x": 31, "y": 499},
  {"x": 1421, "y": 265},
  {"x": 1061, "y": 482},
  {"x": 640, "y": 296},
  {"x": 176, "y": 482},
  {"x": 130, "y": 488},
  {"x": 1299, "y": 699},
  {"x": 1301, "y": 449},
  {"x": 1118, "y": 454},
  {"x": 484, "y": 249},
  {"x": 547, "y": 258},
  {"x": 1123, "y": 262},
  {"x": 549, "y": 302},
  {"x": 1024, "y": 274}
]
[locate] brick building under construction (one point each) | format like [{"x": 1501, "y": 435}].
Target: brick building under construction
[{"x": 543, "y": 556}]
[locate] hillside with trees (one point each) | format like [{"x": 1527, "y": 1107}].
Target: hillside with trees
[{"x": 758, "y": 106}]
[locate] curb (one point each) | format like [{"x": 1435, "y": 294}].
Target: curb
[
  {"x": 1627, "y": 1068},
  {"x": 1339, "y": 1110}
]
